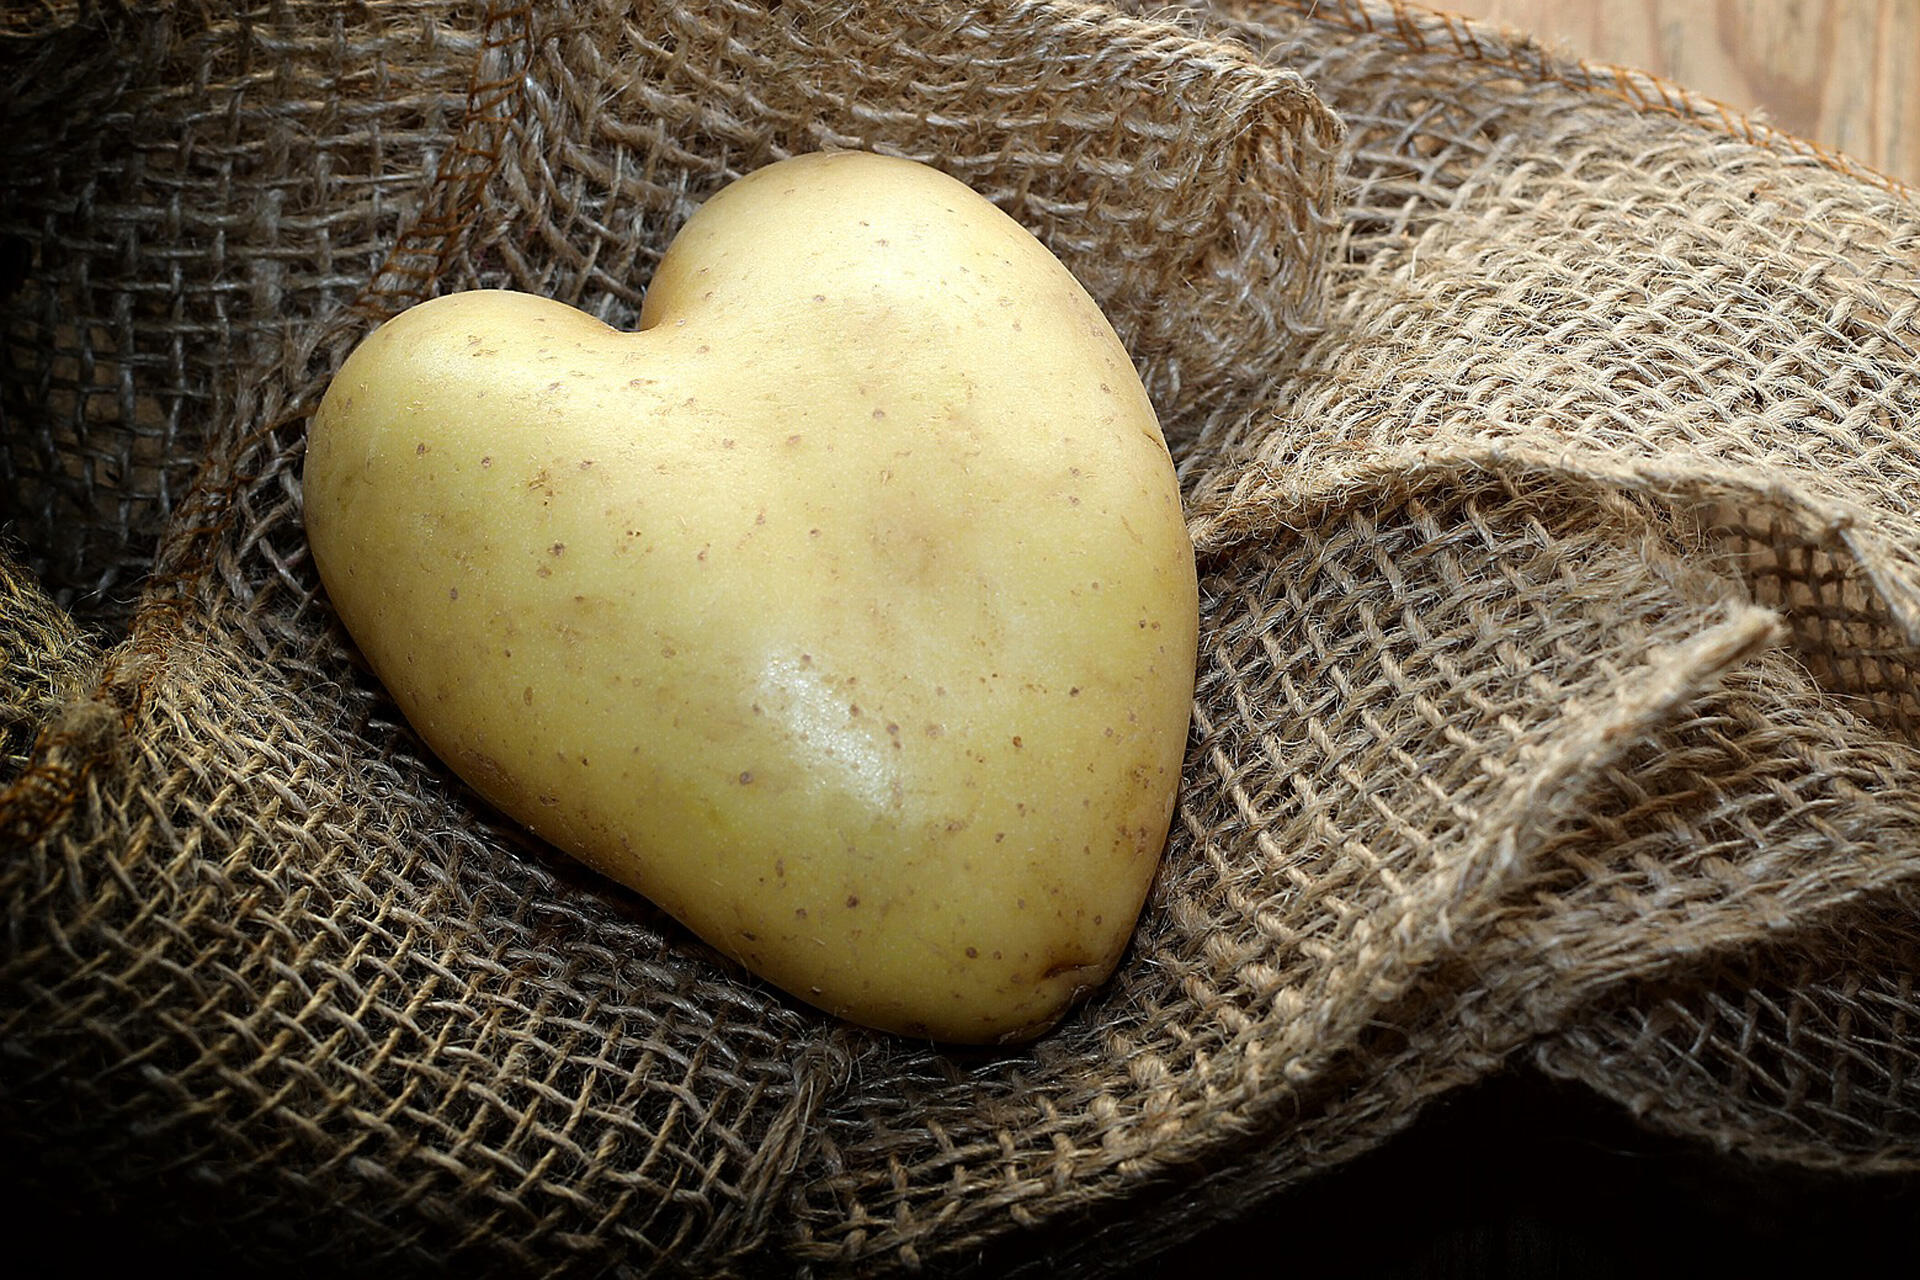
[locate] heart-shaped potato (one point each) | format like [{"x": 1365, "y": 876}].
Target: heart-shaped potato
[{"x": 845, "y": 609}]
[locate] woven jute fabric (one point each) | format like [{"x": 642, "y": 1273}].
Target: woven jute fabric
[{"x": 1548, "y": 439}]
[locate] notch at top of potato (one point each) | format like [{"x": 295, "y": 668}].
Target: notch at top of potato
[{"x": 845, "y": 609}]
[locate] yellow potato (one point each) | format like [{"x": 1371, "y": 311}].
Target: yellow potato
[{"x": 845, "y": 610}]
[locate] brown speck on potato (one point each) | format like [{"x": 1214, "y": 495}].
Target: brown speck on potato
[
  {"x": 999, "y": 836},
  {"x": 526, "y": 695},
  {"x": 1074, "y": 692},
  {"x": 1016, "y": 742},
  {"x": 420, "y": 449},
  {"x": 486, "y": 462},
  {"x": 453, "y": 593},
  {"x": 746, "y": 777},
  {"x": 879, "y": 414},
  {"x": 557, "y": 549},
  {"x": 853, "y": 709},
  {"x": 543, "y": 571},
  {"x": 585, "y": 463},
  {"x": 799, "y": 913},
  {"x": 853, "y": 900},
  {"x": 973, "y": 953},
  {"x": 819, "y": 297}
]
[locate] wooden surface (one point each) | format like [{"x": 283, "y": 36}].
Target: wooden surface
[{"x": 1844, "y": 73}]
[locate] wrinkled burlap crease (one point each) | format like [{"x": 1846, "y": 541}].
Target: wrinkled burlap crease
[{"x": 1548, "y": 437}]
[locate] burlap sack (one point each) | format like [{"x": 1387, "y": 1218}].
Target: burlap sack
[{"x": 1556, "y": 697}]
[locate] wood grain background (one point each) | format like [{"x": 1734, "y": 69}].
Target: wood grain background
[{"x": 1844, "y": 73}]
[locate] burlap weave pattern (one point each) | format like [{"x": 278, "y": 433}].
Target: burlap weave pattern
[
  {"x": 1568, "y": 279},
  {"x": 1560, "y": 609}
]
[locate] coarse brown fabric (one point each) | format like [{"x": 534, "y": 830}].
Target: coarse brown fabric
[{"x": 1553, "y": 491}]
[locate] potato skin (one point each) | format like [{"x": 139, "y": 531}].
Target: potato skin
[{"x": 845, "y": 610}]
